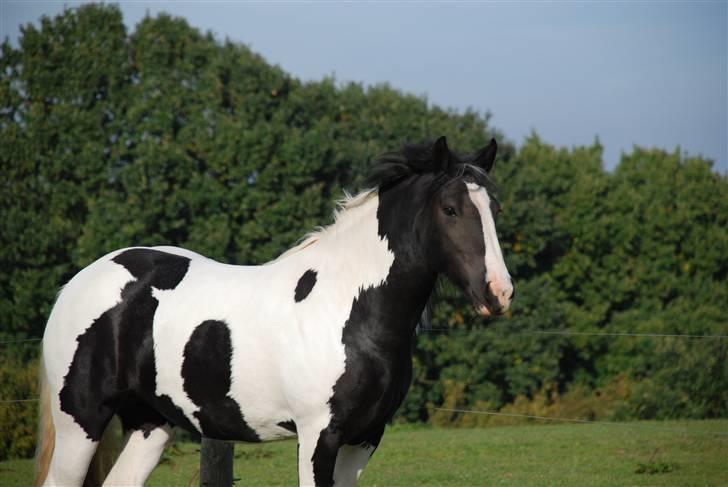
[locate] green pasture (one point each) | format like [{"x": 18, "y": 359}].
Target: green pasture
[{"x": 639, "y": 453}]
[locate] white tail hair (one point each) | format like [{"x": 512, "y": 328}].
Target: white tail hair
[{"x": 46, "y": 430}]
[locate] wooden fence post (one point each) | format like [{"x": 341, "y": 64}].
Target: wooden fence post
[{"x": 216, "y": 463}]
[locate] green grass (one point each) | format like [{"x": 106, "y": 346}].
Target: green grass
[{"x": 644, "y": 453}]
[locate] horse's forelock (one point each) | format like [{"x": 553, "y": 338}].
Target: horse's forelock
[{"x": 417, "y": 159}]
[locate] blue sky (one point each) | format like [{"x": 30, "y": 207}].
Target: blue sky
[{"x": 646, "y": 73}]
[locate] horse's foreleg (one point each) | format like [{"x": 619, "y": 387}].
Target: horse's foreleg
[
  {"x": 139, "y": 456},
  {"x": 352, "y": 459},
  {"x": 350, "y": 463},
  {"x": 318, "y": 445}
]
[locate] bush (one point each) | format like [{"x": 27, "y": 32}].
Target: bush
[
  {"x": 18, "y": 421},
  {"x": 691, "y": 382},
  {"x": 579, "y": 402}
]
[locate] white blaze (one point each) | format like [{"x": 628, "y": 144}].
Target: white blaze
[{"x": 496, "y": 271}]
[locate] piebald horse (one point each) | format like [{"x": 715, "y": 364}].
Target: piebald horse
[{"x": 317, "y": 343}]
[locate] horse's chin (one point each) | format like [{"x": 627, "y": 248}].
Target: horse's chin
[
  {"x": 483, "y": 310},
  {"x": 489, "y": 312},
  {"x": 479, "y": 303}
]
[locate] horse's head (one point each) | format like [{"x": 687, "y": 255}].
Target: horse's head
[
  {"x": 445, "y": 201},
  {"x": 463, "y": 241},
  {"x": 455, "y": 223}
]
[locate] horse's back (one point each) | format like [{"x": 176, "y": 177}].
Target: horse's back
[{"x": 97, "y": 288}]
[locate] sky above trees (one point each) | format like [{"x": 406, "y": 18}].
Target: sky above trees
[{"x": 653, "y": 74}]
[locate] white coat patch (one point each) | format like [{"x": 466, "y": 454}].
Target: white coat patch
[{"x": 496, "y": 271}]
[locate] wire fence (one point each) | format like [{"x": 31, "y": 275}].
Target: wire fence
[
  {"x": 557, "y": 419},
  {"x": 514, "y": 333},
  {"x": 576, "y": 333},
  {"x": 581, "y": 420}
]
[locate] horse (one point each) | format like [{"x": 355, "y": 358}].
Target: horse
[{"x": 315, "y": 344}]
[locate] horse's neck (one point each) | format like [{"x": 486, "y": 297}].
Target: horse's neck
[
  {"x": 353, "y": 245},
  {"x": 411, "y": 279},
  {"x": 381, "y": 230},
  {"x": 373, "y": 251}
]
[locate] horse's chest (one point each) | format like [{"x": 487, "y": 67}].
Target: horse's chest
[{"x": 368, "y": 394}]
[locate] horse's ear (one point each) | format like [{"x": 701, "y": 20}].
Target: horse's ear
[
  {"x": 441, "y": 154},
  {"x": 486, "y": 156}
]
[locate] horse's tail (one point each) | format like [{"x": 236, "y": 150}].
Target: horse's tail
[{"x": 46, "y": 430}]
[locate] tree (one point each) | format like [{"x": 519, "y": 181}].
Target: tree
[{"x": 62, "y": 94}]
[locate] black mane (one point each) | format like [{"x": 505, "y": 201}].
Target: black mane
[{"x": 417, "y": 159}]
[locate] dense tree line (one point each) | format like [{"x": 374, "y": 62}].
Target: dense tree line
[{"x": 164, "y": 135}]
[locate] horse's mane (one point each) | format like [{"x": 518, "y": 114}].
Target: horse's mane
[
  {"x": 416, "y": 159},
  {"x": 343, "y": 206},
  {"x": 390, "y": 170}
]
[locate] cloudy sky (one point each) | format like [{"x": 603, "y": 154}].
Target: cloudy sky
[{"x": 646, "y": 73}]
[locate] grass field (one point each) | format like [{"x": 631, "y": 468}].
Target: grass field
[{"x": 644, "y": 453}]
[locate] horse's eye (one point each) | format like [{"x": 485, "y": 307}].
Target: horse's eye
[{"x": 449, "y": 211}]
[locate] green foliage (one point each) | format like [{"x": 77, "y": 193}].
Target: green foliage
[
  {"x": 59, "y": 97},
  {"x": 687, "y": 380},
  {"x": 166, "y": 136},
  {"x": 18, "y": 380}
]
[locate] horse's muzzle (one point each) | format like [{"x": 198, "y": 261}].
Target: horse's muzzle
[{"x": 497, "y": 299}]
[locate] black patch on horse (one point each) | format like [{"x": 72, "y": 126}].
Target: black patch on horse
[
  {"x": 161, "y": 269},
  {"x": 207, "y": 375},
  {"x": 136, "y": 415},
  {"x": 288, "y": 425},
  {"x": 119, "y": 345},
  {"x": 305, "y": 285}
]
